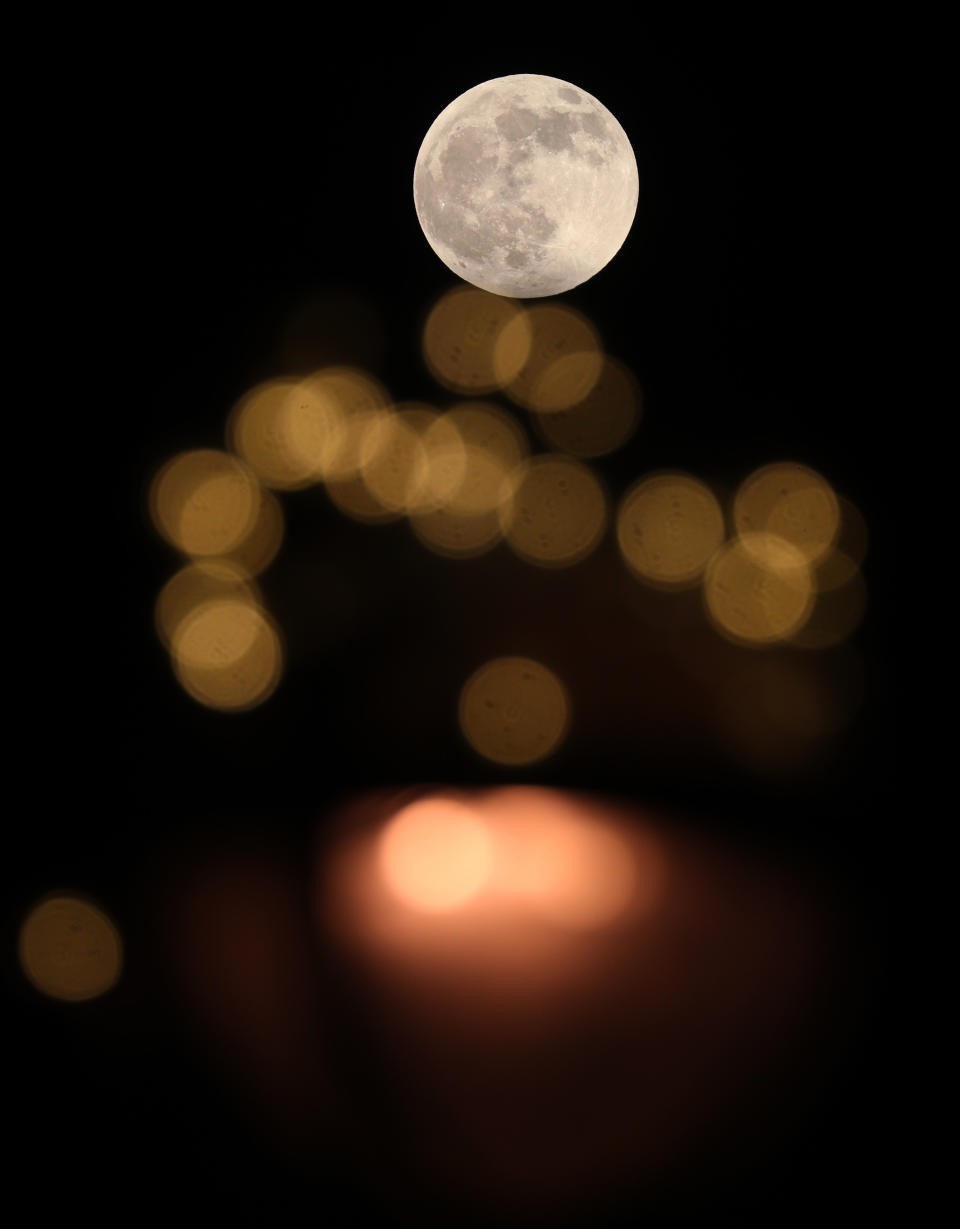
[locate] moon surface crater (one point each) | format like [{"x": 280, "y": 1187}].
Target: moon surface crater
[{"x": 526, "y": 186}]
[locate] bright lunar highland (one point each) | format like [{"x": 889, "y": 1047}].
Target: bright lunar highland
[{"x": 526, "y": 186}]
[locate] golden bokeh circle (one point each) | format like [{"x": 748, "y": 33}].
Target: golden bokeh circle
[
  {"x": 668, "y": 528},
  {"x": 791, "y": 501},
  {"x": 602, "y": 420},
  {"x": 556, "y": 513},
  {"x": 227, "y": 654},
  {"x": 462, "y": 341},
  {"x": 69, "y": 949},
  {"x": 564, "y": 358},
  {"x": 836, "y": 615},
  {"x": 457, "y": 535},
  {"x": 257, "y": 431},
  {"x": 514, "y": 710},
  {"x": 758, "y": 589},
  {"x": 204, "y": 502},
  {"x": 195, "y": 584},
  {"x": 311, "y": 422}
]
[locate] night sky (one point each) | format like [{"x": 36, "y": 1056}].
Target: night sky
[{"x": 240, "y": 207}]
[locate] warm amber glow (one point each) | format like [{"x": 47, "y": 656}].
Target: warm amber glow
[
  {"x": 853, "y": 537},
  {"x": 395, "y": 471},
  {"x": 467, "y": 523},
  {"x": 557, "y": 512},
  {"x": 514, "y": 711},
  {"x": 354, "y": 499},
  {"x": 227, "y": 654},
  {"x": 205, "y": 502},
  {"x": 457, "y": 535},
  {"x": 417, "y": 463},
  {"x": 793, "y": 502},
  {"x": 564, "y": 361},
  {"x": 494, "y": 447},
  {"x": 195, "y": 584},
  {"x": 259, "y": 548},
  {"x": 461, "y": 336},
  {"x": 69, "y": 949},
  {"x": 668, "y": 528},
  {"x": 295, "y": 433},
  {"x": 602, "y": 421},
  {"x": 435, "y": 854},
  {"x": 362, "y": 402},
  {"x": 572, "y": 869},
  {"x": 311, "y": 425},
  {"x": 257, "y": 432},
  {"x": 758, "y": 589},
  {"x": 839, "y": 607}
]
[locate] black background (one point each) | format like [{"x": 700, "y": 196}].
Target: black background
[{"x": 198, "y": 186}]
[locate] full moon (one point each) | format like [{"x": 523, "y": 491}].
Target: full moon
[{"x": 526, "y": 186}]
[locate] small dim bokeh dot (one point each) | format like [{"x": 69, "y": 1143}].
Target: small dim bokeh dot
[
  {"x": 514, "y": 710},
  {"x": 69, "y": 949}
]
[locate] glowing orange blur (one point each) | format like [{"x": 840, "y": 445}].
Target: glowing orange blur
[{"x": 435, "y": 854}]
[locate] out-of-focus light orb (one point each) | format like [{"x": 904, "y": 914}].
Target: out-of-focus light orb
[
  {"x": 526, "y": 186},
  {"x": 564, "y": 358},
  {"x": 576, "y": 873},
  {"x": 791, "y": 501},
  {"x": 296, "y": 433},
  {"x": 468, "y": 523},
  {"x": 668, "y": 528},
  {"x": 463, "y": 343},
  {"x": 360, "y": 400},
  {"x": 495, "y": 446},
  {"x": 758, "y": 589},
  {"x": 257, "y": 432},
  {"x": 227, "y": 654},
  {"x": 310, "y": 422},
  {"x": 457, "y": 535},
  {"x": 260, "y": 547},
  {"x": 70, "y": 949},
  {"x": 204, "y": 502},
  {"x": 838, "y": 610},
  {"x": 602, "y": 421},
  {"x": 853, "y": 538},
  {"x": 195, "y": 584},
  {"x": 513, "y": 710},
  {"x": 393, "y": 463},
  {"x": 417, "y": 461},
  {"x": 435, "y": 855},
  {"x": 557, "y": 512}
]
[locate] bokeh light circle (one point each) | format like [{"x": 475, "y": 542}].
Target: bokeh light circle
[
  {"x": 435, "y": 854},
  {"x": 69, "y": 949},
  {"x": 557, "y": 512},
  {"x": 758, "y": 589},
  {"x": 514, "y": 710},
  {"x": 668, "y": 528}
]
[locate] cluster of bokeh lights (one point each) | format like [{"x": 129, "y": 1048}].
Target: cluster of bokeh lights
[{"x": 779, "y": 565}]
